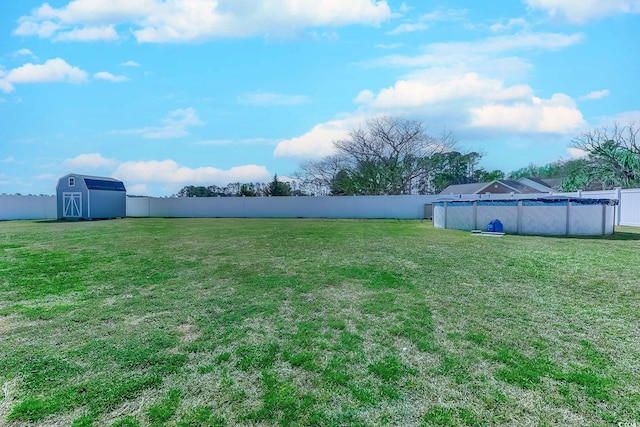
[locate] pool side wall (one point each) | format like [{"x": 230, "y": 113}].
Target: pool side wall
[{"x": 527, "y": 217}]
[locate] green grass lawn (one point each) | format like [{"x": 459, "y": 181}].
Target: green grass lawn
[{"x": 222, "y": 322}]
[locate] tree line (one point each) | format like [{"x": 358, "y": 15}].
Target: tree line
[
  {"x": 275, "y": 187},
  {"x": 393, "y": 156}
]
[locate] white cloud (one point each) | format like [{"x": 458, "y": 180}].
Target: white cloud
[
  {"x": 389, "y": 46},
  {"x": 138, "y": 189},
  {"x": 191, "y": 20},
  {"x": 576, "y": 153},
  {"x": 473, "y": 101},
  {"x": 318, "y": 142},
  {"x": 467, "y": 102},
  {"x": 104, "y": 75},
  {"x": 170, "y": 172},
  {"x": 175, "y": 125},
  {"x": 486, "y": 52},
  {"x": 96, "y": 11},
  {"x": 511, "y": 23},
  {"x": 9, "y": 159},
  {"x": 271, "y": 99},
  {"x": 24, "y": 52},
  {"x": 597, "y": 94},
  {"x": 145, "y": 177},
  {"x": 130, "y": 64},
  {"x": 461, "y": 84},
  {"x": 581, "y": 11},
  {"x": 557, "y": 115},
  {"x": 623, "y": 119},
  {"x": 424, "y": 89},
  {"x": 408, "y": 28},
  {"x": 53, "y": 70},
  {"x": 90, "y": 161},
  {"x": 88, "y": 34},
  {"x": 422, "y": 23},
  {"x": 513, "y": 42},
  {"x": 29, "y": 26},
  {"x": 444, "y": 14},
  {"x": 5, "y": 86}
]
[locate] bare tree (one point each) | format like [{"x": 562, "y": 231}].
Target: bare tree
[
  {"x": 390, "y": 154},
  {"x": 316, "y": 175},
  {"x": 613, "y": 155}
]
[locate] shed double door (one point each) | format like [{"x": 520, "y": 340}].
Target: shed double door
[{"x": 72, "y": 205}]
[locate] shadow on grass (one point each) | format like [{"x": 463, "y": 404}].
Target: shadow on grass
[
  {"x": 71, "y": 220},
  {"x": 617, "y": 235}
]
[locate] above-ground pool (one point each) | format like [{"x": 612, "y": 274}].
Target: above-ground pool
[{"x": 552, "y": 215}]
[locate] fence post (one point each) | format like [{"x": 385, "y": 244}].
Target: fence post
[
  {"x": 475, "y": 215},
  {"x": 619, "y": 211},
  {"x": 568, "y": 224},
  {"x": 445, "y": 215},
  {"x": 519, "y": 220}
]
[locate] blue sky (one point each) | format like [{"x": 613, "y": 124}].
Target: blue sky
[{"x": 168, "y": 93}]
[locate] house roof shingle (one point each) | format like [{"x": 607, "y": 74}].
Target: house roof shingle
[{"x": 475, "y": 188}]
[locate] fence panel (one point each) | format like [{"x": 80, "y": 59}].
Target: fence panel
[
  {"x": 138, "y": 207},
  {"x": 629, "y": 207},
  {"x": 402, "y": 207},
  {"x": 28, "y": 207}
]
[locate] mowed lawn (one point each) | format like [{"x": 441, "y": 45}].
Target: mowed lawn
[{"x": 223, "y": 322}]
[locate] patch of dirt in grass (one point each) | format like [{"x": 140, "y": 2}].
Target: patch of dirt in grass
[
  {"x": 527, "y": 407},
  {"x": 188, "y": 333},
  {"x": 257, "y": 329},
  {"x": 110, "y": 301},
  {"x": 9, "y": 324},
  {"x": 132, "y": 408},
  {"x": 409, "y": 354},
  {"x": 147, "y": 318},
  {"x": 345, "y": 295},
  {"x": 229, "y": 392},
  {"x": 399, "y": 412},
  {"x": 8, "y": 396}
]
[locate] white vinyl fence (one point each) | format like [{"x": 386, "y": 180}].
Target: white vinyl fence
[
  {"x": 27, "y": 207},
  {"x": 628, "y": 211},
  {"x": 402, "y": 207}
]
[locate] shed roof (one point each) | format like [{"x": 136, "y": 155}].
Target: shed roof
[{"x": 99, "y": 182}]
